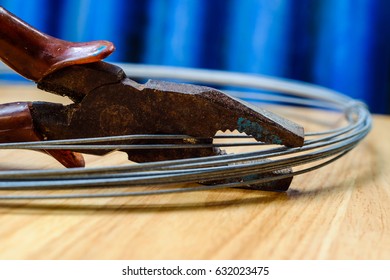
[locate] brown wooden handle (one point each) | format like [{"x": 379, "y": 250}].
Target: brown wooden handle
[
  {"x": 34, "y": 54},
  {"x": 16, "y": 125}
]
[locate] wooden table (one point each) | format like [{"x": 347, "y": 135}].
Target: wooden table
[{"x": 341, "y": 211}]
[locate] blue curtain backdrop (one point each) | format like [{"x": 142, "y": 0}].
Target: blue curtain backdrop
[{"x": 340, "y": 44}]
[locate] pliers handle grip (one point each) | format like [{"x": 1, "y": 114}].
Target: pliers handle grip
[{"x": 34, "y": 54}]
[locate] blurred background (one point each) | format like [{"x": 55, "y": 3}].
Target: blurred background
[{"x": 340, "y": 44}]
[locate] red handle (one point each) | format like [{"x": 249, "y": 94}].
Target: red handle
[
  {"x": 34, "y": 54},
  {"x": 16, "y": 125}
]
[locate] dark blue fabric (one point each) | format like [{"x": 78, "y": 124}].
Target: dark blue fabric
[{"x": 341, "y": 44}]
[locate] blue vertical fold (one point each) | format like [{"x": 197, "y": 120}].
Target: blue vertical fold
[
  {"x": 259, "y": 36},
  {"x": 345, "y": 45},
  {"x": 213, "y": 52},
  {"x": 302, "y": 39},
  {"x": 175, "y": 31},
  {"x": 379, "y": 76},
  {"x": 155, "y": 33}
]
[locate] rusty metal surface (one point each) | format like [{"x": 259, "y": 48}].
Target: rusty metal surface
[{"x": 116, "y": 105}]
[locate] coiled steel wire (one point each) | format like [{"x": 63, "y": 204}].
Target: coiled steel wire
[{"x": 320, "y": 148}]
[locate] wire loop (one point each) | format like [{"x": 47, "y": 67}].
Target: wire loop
[{"x": 320, "y": 148}]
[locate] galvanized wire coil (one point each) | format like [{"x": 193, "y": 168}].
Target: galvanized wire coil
[{"x": 320, "y": 147}]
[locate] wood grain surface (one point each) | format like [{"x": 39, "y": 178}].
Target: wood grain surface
[{"x": 341, "y": 211}]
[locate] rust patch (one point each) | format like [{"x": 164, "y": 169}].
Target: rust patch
[{"x": 116, "y": 118}]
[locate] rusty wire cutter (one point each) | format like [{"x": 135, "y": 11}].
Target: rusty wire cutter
[{"x": 108, "y": 103}]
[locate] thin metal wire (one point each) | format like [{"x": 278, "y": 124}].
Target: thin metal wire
[{"x": 321, "y": 147}]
